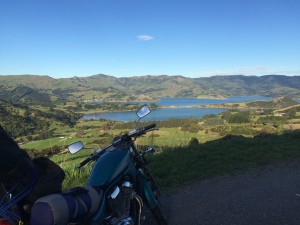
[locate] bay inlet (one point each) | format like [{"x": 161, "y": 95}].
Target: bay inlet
[{"x": 175, "y": 108}]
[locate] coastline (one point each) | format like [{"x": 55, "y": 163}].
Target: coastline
[{"x": 227, "y": 105}]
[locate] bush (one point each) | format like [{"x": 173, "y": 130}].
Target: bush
[
  {"x": 271, "y": 120},
  {"x": 268, "y": 130},
  {"x": 193, "y": 128},
  {"x": 214, "y": 122},
  {"x": 194, "y": 141},
  {"x": 222, "y": 130},
  {"x": 242, "y": 130},
  {"x": 239, "y": 117}
]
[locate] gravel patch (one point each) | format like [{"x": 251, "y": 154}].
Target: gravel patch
[{"x": 264, "y": 196}]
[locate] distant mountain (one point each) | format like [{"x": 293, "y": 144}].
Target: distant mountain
[{"x": 109, "y": 88}]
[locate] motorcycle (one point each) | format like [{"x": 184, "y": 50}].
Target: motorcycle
[{"x": 123, "y": 180}]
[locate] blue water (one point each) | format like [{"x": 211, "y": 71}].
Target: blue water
[
  {"x": 167, "y": 113},
  {"x": 195, "y": 101},
  {"x": 157, "y": 114}
]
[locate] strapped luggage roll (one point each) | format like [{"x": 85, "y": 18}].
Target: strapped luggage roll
[{"x": 69, "y": 206}]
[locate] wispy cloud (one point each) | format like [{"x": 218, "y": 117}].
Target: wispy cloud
[
  {"x": 265, "y": 70},
  {"x": 256, "y": 70},
  {"x": 144, "y": 37}
]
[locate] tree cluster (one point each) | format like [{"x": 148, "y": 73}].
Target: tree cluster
[
  {"x": 114, "y": 106},
  {"x": 236, "y": 117},
  {"x": 33, "y": 124}
]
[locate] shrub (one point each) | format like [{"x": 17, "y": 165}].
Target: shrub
[
  {"x": 268, "y": 130},
  {"x": 214, "y": 122},
  {"x": 193, "y": 141},
  {"x": 239, "y": 117}
]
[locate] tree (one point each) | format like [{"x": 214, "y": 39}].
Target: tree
[{"x": 238, "y": 117}]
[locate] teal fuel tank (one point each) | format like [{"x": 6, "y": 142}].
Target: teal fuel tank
[{"x": 109, "y": 166}]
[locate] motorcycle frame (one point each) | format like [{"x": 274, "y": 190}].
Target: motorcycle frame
[{"x": 134, "y": 170}]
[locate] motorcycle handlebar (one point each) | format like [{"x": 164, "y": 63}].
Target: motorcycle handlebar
[
  {"x": 150, "y": 126},
  {"x": 142, "y": 131},
  {"x": 78, "y": 166},
  {"x": 123, "y": 138}
]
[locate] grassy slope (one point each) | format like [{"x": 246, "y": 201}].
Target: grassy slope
[
  {"x": 177, "y": 166},
  {"x": 181, "y": 165}
]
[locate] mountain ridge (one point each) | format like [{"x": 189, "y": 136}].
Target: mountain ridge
[{"x": 106, "y": 87}]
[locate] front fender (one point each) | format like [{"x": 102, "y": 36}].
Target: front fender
[{"x": 146, "y": 191}]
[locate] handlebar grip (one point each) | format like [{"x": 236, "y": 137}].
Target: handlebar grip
[
  {"x": 78, "y": 166},
  {"x": 150, "y": 126}
]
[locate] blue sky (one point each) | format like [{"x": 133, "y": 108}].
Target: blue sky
[{"x": 193, "y": 38}]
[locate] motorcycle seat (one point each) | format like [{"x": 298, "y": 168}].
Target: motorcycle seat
[{"x": 74, "y": 205}]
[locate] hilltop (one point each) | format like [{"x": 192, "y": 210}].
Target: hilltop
[{"x": 150, "y": 88}]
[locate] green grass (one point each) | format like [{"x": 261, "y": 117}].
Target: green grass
[
  {"x": 57, "y": 141},
  {"x": 173, "y": 137},
  {"x": 48, "y": 143},
  {"x": 164, "y": 137},
  {"x": 180, "y": 165},
  {"x": 94, "y": 123},
  {"x": 177, "y": 166},
  {"x": 68, "y": 162},
  {"x": 177, "y": 163}
]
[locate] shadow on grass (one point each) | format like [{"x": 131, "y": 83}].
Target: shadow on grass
[{"x": 177, "y": 166}]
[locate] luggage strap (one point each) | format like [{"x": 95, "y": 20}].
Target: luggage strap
[{"x": 6, "y": 206}]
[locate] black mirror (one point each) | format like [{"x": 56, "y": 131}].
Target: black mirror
[
  {"x": 75, "y": 147},
  {"x": 142, "y": 112}
]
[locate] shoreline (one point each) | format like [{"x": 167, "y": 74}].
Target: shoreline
[
  {"x": 228, "y": 105},
  {"x": 209, "y": 106}
]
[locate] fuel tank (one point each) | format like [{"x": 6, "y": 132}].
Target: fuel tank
[{"x": 109, "y": 166}]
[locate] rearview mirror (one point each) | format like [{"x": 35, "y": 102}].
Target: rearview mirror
[
  {"x": 144, "y": 111},
  {"x": 75, "y": 147}
]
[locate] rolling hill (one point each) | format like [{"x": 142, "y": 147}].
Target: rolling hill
[{"x": 109, "y": 88}]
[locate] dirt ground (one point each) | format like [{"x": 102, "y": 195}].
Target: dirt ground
[{"x": 265, "y": 196}]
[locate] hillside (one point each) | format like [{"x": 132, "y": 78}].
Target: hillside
[
  {"x": 277, "y": 103},
  {"x": 22, "y": 120},
  {"x": 109, "y": 88}
]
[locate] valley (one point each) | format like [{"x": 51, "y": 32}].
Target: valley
[{"x": 243, "y": 134}]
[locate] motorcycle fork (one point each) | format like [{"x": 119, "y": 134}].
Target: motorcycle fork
[{"x": 145, "y": 190}]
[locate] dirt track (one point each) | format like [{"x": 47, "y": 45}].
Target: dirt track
[{"x": 266, "y": 196}]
